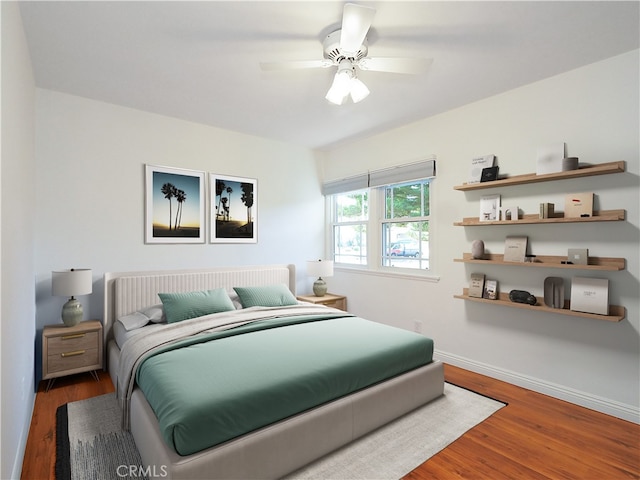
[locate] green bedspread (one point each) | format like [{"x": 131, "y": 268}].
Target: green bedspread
[{"x": 207, "y": 392}]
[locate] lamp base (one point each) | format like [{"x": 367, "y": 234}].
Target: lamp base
[
  {"x": 319, "y": 287},
  {"x": 72, "y": 312}
]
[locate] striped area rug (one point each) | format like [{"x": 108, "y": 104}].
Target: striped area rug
[{"x": 91, "y": 444}]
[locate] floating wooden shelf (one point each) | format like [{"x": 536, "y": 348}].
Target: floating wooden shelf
[
  {"x": 549, "y": 261},
  {"x": 616, "y": 313},
  {"x": 584, "y": 171},
  {"x": 598, "y": 216}
]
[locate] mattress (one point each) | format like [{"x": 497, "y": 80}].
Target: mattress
[{"x": 217, "y": 387}]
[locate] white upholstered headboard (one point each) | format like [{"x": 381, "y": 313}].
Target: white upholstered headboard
[{"x": 126, "y": 292}]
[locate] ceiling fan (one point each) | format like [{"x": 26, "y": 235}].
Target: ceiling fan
[{"x": 347, "y": 49}]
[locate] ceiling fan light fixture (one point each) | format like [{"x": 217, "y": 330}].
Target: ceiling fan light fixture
[
  {"x": 359, "y": 90},
  {"x": 340, "y": 88}
]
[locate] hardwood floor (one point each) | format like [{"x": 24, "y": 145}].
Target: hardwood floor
[{"x": 533, "y": 437}]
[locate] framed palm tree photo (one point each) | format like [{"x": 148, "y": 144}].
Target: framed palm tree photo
[
  {"x": 233, "y": 207},
  {"x": 174, "y": 205}
]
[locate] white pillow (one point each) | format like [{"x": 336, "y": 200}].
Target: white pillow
[
  {"x": 140, "y": 318},
  {"x": 235, "y": 299}
]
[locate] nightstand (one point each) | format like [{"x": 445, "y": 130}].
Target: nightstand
[
  {"x": 69, "y": 350},
  {"x": 329, "y": 299}
]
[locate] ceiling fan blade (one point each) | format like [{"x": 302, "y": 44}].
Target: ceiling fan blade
[
  {"x": 356, "y": 21},
  {"x": 395, "y": 64},
  {"x": 295, "y": 65}
]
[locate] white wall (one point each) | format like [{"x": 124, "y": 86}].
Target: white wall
[
  {"x": 595, "y": 110},
  {"x": 90, "y": 193},
  {"x": 17, "y": 199}
]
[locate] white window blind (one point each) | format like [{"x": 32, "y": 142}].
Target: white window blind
[
  {"x": 350, "y": 184},
  {"x": 385, "y": 176},
  {"x": 403, "y": 173}
]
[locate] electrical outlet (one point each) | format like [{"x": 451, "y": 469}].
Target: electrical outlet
[{"x": 417, "y": 326}]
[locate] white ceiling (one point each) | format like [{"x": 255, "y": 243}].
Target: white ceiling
[{"x": 199, "y": 61}]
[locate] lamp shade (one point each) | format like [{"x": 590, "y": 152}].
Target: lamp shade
[
  {"x": 69, "y": 283},
  {"x": 320, "y": 268}
]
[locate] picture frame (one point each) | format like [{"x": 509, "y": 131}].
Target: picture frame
[
  {"x": 489, "y": 208},
  {"x": 175, "y": 202},
  {"x": 233, "y": 209}
]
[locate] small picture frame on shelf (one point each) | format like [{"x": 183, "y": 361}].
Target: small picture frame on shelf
[
  {"x": 489, "y": 208},
  {"x": 490, "y": 289},
  {"x": 476, "y": 286}
]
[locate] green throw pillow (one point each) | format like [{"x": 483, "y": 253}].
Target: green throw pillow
[
  {"x": 185, "y": 305},
  {"x": 267, "y": 296}
]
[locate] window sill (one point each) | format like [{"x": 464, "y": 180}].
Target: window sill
[{"x": 389, "y": 272}]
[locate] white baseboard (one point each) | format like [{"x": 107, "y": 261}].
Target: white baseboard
[{"x": 587, "y": 400}]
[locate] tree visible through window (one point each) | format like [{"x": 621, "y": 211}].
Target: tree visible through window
[
  {"x": 351, "y": 215},
  {"x": 398, "y": 213},
  {"x": 405, "y": 226}
]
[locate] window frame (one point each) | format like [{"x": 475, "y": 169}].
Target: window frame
[{"x": 376, "y": 218}]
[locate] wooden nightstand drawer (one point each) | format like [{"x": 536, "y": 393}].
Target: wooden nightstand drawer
[
  {"x": 71, "y": 360},
  {"x": 72, "y": 342}
]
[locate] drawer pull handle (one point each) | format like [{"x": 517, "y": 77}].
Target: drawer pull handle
[
  {"x": 70, "y": 337},
  {"x": 72, "y": 354}
]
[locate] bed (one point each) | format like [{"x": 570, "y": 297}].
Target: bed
[{"x": 362, "y": 386}]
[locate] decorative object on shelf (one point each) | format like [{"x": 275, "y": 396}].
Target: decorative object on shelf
[
  {"x": 529, "y": 259},
  {"x": 476, "y": 287},
  {"x": 590, "y": 295},
  {"x": 554, "y": 292},
  {"x": 578, "y": 256},
  {"x": 515, "y": 249},
  {"x": 320, "y": 268},
  {"x": 489, "y": 174},
  {"x": 478, "y": 164},
  {"x": 549, "y": 159},
  {"x": 578, "y": 205},
  {"x": 477, "y": 249},
  {"x": 522, "y": 296},
  {"x": 490, "y": 289},
  {"x": 489, "y": 207},
  {"x": 569, "y": 163},
  {"x": 509, "y": 213},
  {"x": 174, "y": 205},
  {"x": 233, "y": 209},
  {"x": 547, "y": 210},
  {"x": 69, "y": 283}
]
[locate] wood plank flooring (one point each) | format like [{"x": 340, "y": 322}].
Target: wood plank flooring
[{"x": 533, "y": 437}]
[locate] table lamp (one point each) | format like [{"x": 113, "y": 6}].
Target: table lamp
[
  {"x": 320, "y": 268},
  {"x": 69, "y": 283}
]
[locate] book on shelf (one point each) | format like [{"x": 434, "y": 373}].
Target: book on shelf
[
  {"x": 476, "y": 286},
  {"x": 515, "y": 249},
  {"x": 578, "y": 205},
  {"x": 547, "y": 210},
  {"x": 477, "y": 165},
  {"x": 489, "y": 208},
  {"x": 489, "y": 174},
  {"x": 590, "y": 295},
  {"x": 490, "y": 289}
]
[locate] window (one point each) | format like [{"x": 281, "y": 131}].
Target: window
[
  {"x": 351, "y": 216},
  {"x": 386, "y": 225},
  {"x": 405, "y": 226}
]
